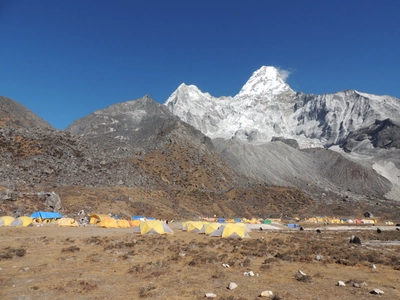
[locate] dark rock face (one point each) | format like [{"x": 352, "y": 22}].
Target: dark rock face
[
  {"x": 290, "y": 142},
  {"x": 381, "y": 134}
]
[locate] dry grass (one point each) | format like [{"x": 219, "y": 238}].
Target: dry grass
[{"x": 99, "y": 263}]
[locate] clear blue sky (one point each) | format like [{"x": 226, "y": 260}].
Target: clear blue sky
[{"x": 66, "y": 59}]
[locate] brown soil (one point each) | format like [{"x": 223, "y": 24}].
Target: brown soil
[{"x": 50, "y": 262}]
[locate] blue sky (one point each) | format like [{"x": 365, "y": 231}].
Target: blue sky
[{"x": 65, "y": 59}]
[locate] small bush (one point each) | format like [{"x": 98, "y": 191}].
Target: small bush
[
  {"x": 304, "y": 278},
  {"x": 71, "y": 249},
  {"x": 146, "y": 291}
]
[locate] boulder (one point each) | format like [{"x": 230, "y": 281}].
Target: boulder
[
  {"x": 341, "y": 283},
  {"x": 267, "y": 294},
  {"x": 377, "y": 292},
  {"x": 211, "y": 295},
  {"x": 8, "y": 195},
  {"x": 232, "y": 286},
  {"x": 53, "y": 201}
]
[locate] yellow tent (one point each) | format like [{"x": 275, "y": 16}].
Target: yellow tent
[
  {"x": 154, "y": 227},
  {"x": 123, "y": 224},
  {"x": 209, "y": 228},
  {"x": 134, "y": 223},
  {"x": 236, "y": 230},
  {"x": 194, "y": 226},
  {"x": 67, "y": 222},
  {"x": 22, "y": 222},
  {"x": 108, "y": 223},
  {"x": 96, "y": 218},
  {"x": 6, "y": 220}
]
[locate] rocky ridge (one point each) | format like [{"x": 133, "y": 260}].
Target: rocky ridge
[{"x": 137, "y": 152}]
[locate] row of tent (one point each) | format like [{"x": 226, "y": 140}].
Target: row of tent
[
  {"x": 228, "y": 230},
  {"x": 25, "y": 221}
]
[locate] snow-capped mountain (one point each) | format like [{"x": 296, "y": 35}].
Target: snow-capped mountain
[{"x": 267, "y": 107}]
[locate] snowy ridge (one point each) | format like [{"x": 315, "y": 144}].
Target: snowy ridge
[{"x": 266, "y": 107}]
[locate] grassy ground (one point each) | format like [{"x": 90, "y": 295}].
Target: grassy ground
[{"x": 50, "y": 262}]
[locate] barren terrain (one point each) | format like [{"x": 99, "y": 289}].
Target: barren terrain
[{"x": 51, "y": 262}]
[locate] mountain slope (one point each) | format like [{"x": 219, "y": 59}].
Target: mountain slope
[{"x": 15, "y": 114}]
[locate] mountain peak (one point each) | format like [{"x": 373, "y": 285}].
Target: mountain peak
[{"x": 266, "y": 81}]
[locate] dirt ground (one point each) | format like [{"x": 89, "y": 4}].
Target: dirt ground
[{"x": 51, "y": 262}]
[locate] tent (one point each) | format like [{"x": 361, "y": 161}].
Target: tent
[
  {"x": 67, "y": 222},
  {"x": 108, "y": 223},
  {"x": 140, "y": 218},
  {"x": 96, "y": 218},
  {"x": 195, "y": 226},
  {"x": 45, "y": 215},
  {"x": 134, "y": 223},
  {"x": 221, "y": 220},
  {"x": 153, "y": 227},
  {"x": 293, "y": 225},
  {"x": 22, "y": 222},
  {"x": 7, "y": 220},
  {"x": 123, "y": 224},
  {"x": 210, "y": 227},
  {"x": 266, "y": 221},
  {"x": 235, "y": 230}
]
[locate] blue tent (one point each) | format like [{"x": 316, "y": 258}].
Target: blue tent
[
  {"x": 140, "y": 218},
  {"x": 221, "y": 220},
  {"x": 237, "y": 220},
  {"x": 293, "y": 225},
  {"x": 46, "y": 215}
]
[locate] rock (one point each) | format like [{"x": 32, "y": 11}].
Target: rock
[
  {"x": 211, "y": 295},
  {"x": 318, "y": 257},
  {"x": 24, "y": 269},
  {"x": 373, "y": 266},
  {"x": 53, "y": 201},
  {"x": 356, "y": 285},
  {"x": 268, "y": 294},
  {"x": 251, "y": 273},
  {"x": 225, "y": 265},
  {"x": 341, "y": 283},
  {"x": 8, "y": 195},
  {"x": 301, "y": 273},
  {"x": 232, "y": 286},
  {"x": 355, "y": 240},
  {"x": 377, "y": 292}
]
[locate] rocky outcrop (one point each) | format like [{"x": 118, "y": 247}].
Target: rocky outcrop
[{"x": 381, "y": 134}]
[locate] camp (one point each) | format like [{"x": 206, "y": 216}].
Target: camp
[
  {"x": 67, "y": 222},
  {"x": 22, "y": 222},
  {"x": 6, "y": 220},
  {"x": 235, "y": 230},
  {"x": 153, "y": 227}
]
